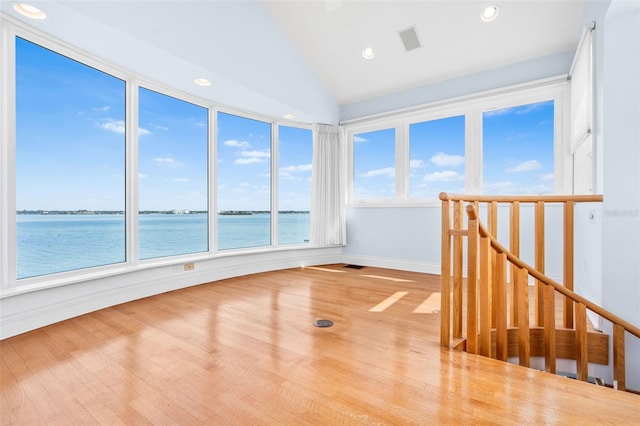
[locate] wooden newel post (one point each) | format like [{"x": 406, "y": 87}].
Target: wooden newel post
[{"x": 445, "y": 274}]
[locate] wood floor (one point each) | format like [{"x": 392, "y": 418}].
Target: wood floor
[{"x": 245, "y": 351}]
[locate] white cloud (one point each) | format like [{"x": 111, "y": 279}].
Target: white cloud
[
  {"x": 104, "y": 108},
  {"x": 298, "y": 168},
  {"x": 141, "y": 176},
  {"x": 445, "y": 160},
  {"x": 387, "y": 171},
  {"x": 495, "y": 112},
  {"x": 416, "y": 164},
  {"x": 112, "y": 125},
  {"x": 250, "y": 160},
  {"x": 118, "y": 126},
  {"x": 237, "y": 144},
  {"x": 549, "y": 177},
  {"x": 259, "y": 154},
  {"x": 360, "y": 139},
  {"x": 169, "y": 162},
  {"x": 508, "y": 187},
  {"x": 445, "y": 176},
  {"x": 159, "y": 127},
  {"x": 180, "y": 179},
  {"x": 525, "y": 166}
]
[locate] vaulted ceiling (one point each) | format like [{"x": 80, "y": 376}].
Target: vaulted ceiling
[
  {"x": 275, "y": 49},
  {"x": 455, "y": 41}
]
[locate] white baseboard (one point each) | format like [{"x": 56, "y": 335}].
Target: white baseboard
[
  {"x": 391, "y": 263},
  {"x": 28, "y": 311}
]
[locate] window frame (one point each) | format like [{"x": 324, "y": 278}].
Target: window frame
[
  {"x": 9, "y": 284},
  {"x": 471, "y": 107},
  {"x": 275, "y": 238}
]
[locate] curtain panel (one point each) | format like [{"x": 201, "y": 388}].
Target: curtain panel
[{"x": 328, "y": 187}]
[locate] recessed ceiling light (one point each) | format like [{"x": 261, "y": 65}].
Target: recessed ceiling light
[
  {"x": 29, "y": 11},
  {"x": 368, "y": 53},
  {"x": 202, "y": 82},
  {"x": 489, "y": 13},
  {"x": 289, "y": 116}
]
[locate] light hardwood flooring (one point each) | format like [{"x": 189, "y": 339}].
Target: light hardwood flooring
[{"x": 245, "y": 351}]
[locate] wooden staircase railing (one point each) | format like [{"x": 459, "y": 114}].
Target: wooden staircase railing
[{"x": 499, "y": 327}]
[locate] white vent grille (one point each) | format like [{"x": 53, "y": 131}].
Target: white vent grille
[{"x": 410, "y": 39}]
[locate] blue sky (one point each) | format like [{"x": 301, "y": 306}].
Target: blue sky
[
  {"x": 71, "y": 146},
  {"x": 518, "y": 150},
  {"x": 517, "y": 155}
]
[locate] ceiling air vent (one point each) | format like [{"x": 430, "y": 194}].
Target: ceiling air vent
[{"x": 409, "y": 39}]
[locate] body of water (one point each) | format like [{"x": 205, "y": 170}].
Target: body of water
[{"x": 53, "y": 243}]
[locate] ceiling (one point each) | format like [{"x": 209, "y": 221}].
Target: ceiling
[
  {"x": 319, "y": 42},
  {"x": 455, "y": 41}
]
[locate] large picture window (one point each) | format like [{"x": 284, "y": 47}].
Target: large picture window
[
  {"x": 70, "y": 163},
  {"x": 172, "y": 147},
  {"x": 510, "y": 143},
  {"x": 244, "y": 182},
  {"x": 295, "y": 153}
]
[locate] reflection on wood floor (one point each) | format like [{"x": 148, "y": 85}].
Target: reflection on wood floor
[{"x": 245, "y": 351}]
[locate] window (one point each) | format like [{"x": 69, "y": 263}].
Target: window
[
  {"x": 70, "y": 163},
  {"x": 518, "y": 149},
  {"x": 374, "y": 169},
  {"x": 512, "y": 142},
  {"x": 172, "y": 173},
  {"x": 243, "y": 182},
  {"x": 295, "y": 153},
  {"x": 436, "y": 157}
]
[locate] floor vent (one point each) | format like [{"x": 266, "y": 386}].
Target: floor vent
[{"x": 354, "y": 266}]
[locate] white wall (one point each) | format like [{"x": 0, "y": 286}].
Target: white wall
[
  {"x": 400, "y": 238},
  {"x": 250, "y": 62},
  {"x": 621, "y": 171},
  {"x": 509, "y": 75},
  {"x": 23, "y": 310}
]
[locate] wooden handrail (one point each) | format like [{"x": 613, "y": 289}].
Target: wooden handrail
[
  {"x": 471, "y": 212},
  {"x": 619, "y": 325},
  {"x": 444, "y": 196},
  {"x": 499, "y": 329}
]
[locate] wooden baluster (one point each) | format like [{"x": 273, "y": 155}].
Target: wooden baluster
[
  {"x": 618, "y": 356},
  {"x": 582, "y": 362},
  {"x": 524, "y": 343},
  {"x": 549, "y": 330},
  {"x": 485, "y": 296},
  {"x": 445, "y": 271},
  {"x": 514, "y": 247},
  {"x": 492, "y": 215},
  {"x": 458, "y": 220},
  {"x": 472, "y": 287},
  {"x": 568, "y": 262},
  {"x": 500, "y": 278},
  {"x": 539, "y": 260}
]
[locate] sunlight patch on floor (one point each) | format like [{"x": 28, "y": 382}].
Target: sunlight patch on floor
[
  {"x": 317, "y": 268},
  {"x": 430, "y": 306},
  {"x": 381, "y": 277},
  {"x": 380, "y": 307}
]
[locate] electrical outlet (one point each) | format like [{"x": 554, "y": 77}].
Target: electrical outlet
[
  {"x": 176, "y": 268},
  {"x": 189, "y": 266}
]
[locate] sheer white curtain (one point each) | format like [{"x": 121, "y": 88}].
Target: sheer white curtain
[{"x": 328, "y": 187}]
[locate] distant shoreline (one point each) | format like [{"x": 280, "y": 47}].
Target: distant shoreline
[{"x": 176, "y": 212}]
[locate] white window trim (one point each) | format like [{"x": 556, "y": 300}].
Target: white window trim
[
  {"x": 9, "y": 284},
  {"x": 472, "y": 107}
]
